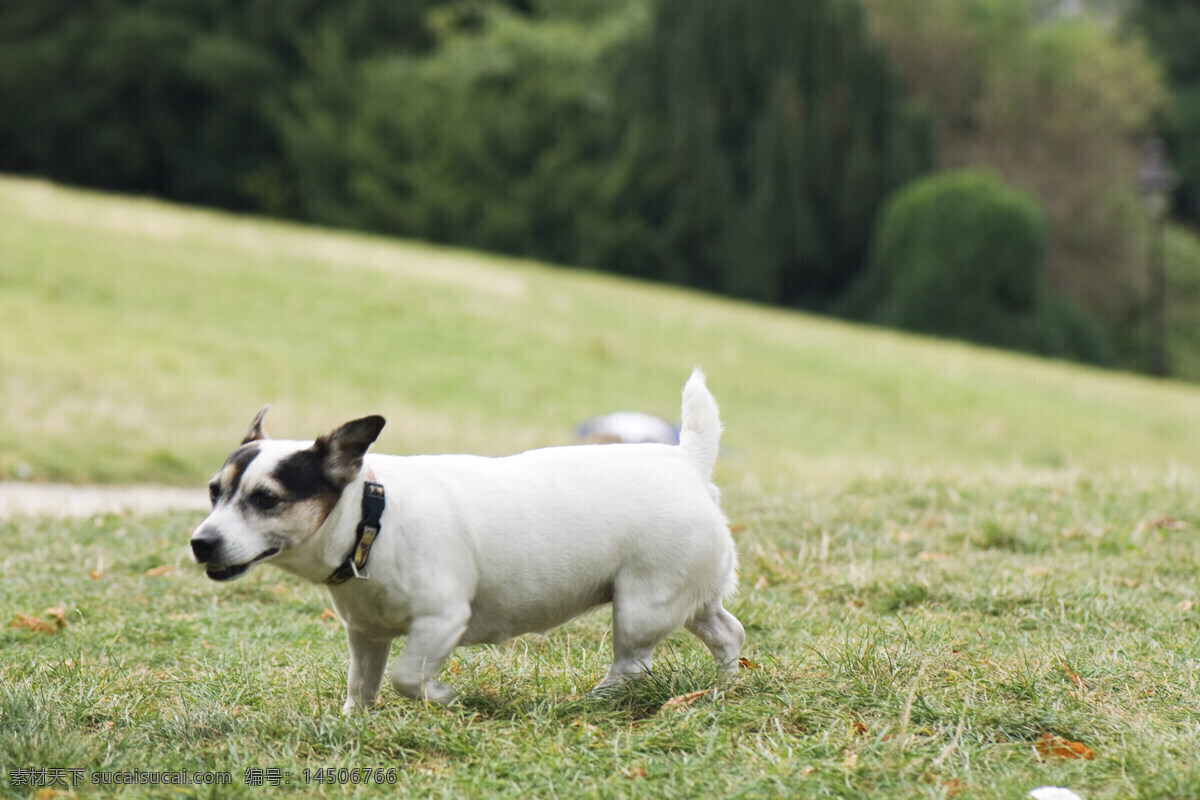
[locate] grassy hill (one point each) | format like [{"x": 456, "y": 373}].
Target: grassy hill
[
  {"x": 139, "y": 338},
  {"x": 964, "y": 574}
]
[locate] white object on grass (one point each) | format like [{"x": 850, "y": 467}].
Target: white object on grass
[
  {"x": 630, "y": 427},
  {"x": 1053, "y": 793}
]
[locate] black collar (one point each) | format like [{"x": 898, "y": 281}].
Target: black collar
[{"x": 372, "y": 513}]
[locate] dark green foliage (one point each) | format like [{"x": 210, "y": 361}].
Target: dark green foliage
[
  {"x": 491, "y": 142},
  {"x": 758, "y": 141},
  {"x": 1173, "y": 28},
  {"x": 961, "y": 254},
  {"x": 173, "y": 99}
]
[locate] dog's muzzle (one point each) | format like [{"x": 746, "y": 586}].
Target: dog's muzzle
[{"x": 206, "y": 545}]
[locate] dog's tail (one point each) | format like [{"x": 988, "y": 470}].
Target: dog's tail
[{"x": 700, "y": 428}]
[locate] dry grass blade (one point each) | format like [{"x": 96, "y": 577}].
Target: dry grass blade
[{"x": 680, "y": 702}]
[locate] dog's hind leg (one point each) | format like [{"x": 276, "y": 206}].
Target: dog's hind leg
[
  {"x": 368, "y": 657},
  {"x": 642, "y": 617},
  {"x": 430, "y": 640},
  {"x": 721, "y": 633}
]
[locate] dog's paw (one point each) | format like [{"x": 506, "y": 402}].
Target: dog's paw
[
  {"x": 437, "y": 693},
  {"x": 426, "y": 691},
  {"x": 612, "y": 684},
  {"x": 351, "y": 707},
  {"x": 603, "y": 691}
]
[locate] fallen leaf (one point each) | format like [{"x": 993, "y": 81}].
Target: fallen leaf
[
  {"x": 684, "y": 700},
  {"x": 328, "y": 613},
  {"x": 32, "y": 623},
  {"x": 1161, "y": 523},
  {"x": 1130, "y": 583},
  {"x": 48, "y": 794},
  {"x": 849, "y": 759},
  {"x": 761, "y": 583},
  {"x": 746, "y": 663},
  {"x": 1052, "y": 746},
  {"x": 737, "y": 528},
  {"x": 1072, "y": 675},
  {"x": 96, "y": 574},
  {"x": 1186, "y": 605},
  {"x": 161, "y": 569},
  {"x": 951, "y": 787},
  {"x": 58, "y": 615},
  {"x": 635, "y": 772},
  {"x": 859, "y": 726}
]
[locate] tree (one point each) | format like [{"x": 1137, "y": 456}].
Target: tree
[
  {"x": 1173, "y": 28},
  {"x": 756, "y": 143},
  {"x": 173, "y": 99},
  {"x": 493, "y": 140}
]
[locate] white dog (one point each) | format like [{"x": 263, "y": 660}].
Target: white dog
[{"x": 455, "y": 550}]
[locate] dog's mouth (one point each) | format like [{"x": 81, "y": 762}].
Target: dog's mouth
[{"x": 229, "y": 573}]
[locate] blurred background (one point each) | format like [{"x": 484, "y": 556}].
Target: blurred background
[{"x": 1021, "y": 173}]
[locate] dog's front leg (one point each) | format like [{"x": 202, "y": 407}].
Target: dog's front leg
[
  {"x": 368, "y": 657},
  {"x": 430, "y": 640}
]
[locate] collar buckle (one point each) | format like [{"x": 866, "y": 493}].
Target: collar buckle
[{"x": 373, "y": 503}]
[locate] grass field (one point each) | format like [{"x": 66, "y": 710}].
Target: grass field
[{"x": 963, "y": 572}]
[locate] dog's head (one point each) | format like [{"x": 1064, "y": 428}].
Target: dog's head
[{"x": 272, "y": 495}]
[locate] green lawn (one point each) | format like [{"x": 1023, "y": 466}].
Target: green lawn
[{"x": 956, "y": 564}]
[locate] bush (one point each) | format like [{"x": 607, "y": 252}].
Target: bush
[{"x": 963, "y": 255}]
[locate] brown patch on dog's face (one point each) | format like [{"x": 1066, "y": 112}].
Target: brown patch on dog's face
[
  {"x": 226, "y": 482},
  {"x": 296, "y": 479},
  {"x": 286, "y": 499},
  {"x": 304, "y": 481}
]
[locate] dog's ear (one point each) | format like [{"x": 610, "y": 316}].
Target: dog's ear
[
  {"x": 256, "y": 430},
  {"x": 342, "y": 450}
]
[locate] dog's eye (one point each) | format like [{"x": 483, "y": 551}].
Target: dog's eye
[
  {"x": 214, "y": 492},
  {"x": 264, "y": 499}
]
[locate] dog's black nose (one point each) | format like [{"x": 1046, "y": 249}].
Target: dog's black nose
[{"x": 204, "y": 544}]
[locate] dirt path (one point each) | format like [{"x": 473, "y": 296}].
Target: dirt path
[{"x": 63, "y": 500}]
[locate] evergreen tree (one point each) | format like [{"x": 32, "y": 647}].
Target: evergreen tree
[
  {"x": 757, "y": 142},
  {"x": 173, "y": 99}
]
